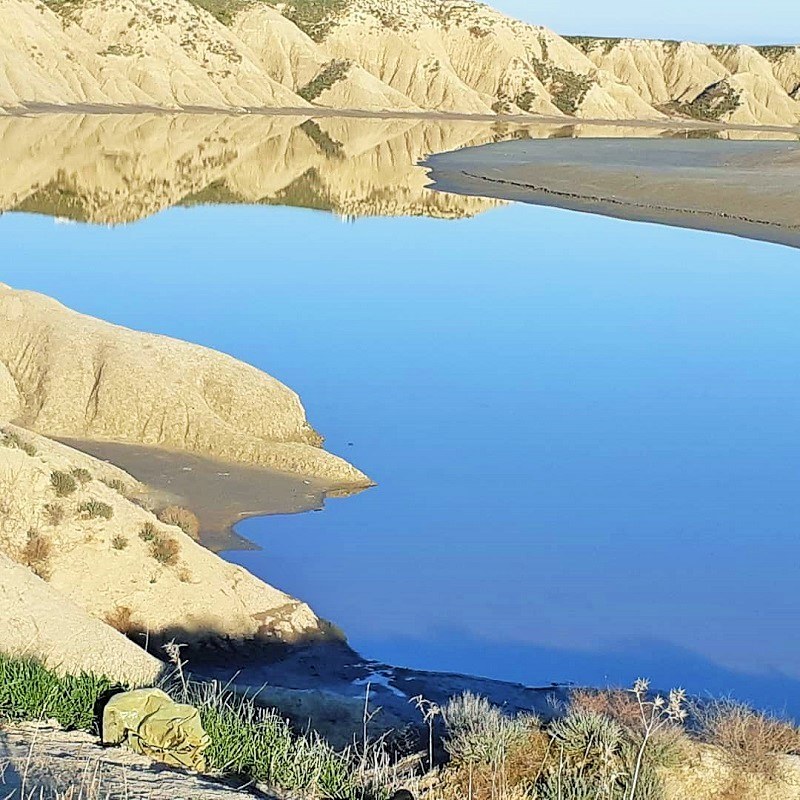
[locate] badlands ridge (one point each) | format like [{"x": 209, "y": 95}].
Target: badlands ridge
[{"x": 413, "y": 56}]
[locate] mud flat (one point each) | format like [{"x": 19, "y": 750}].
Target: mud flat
[
  {"x": 220, "y": 493},
  {"x": 745, "y": 188}
]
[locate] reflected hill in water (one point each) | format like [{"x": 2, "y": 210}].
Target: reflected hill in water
[{"x": 118, "y": 169}]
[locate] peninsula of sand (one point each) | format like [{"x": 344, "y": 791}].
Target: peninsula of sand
[
  {"x": 84, "y": 556},
  {"x": 372, "y": 56}
]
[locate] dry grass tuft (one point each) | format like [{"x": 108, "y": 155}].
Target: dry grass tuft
[
  {"x": 121, "y": 618},
  {"x": 119, "y": 542},
  {"x": 54, "y": 514},
  {"x": 750, "y": 740},
  {"x": 9, "y": 439},
  {"x": 183, "y": 518},
  {"x": 36, "y": 554},
  {"x": 165, "y": 550},
  {"x": 116, "y": 484}
]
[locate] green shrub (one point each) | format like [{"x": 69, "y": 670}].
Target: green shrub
[
  {"x": 116, "y": 484},
  {"x": 119, "y": 542},
  {"x": 95, "y": 509},
  {"x": 83, "y": 476},
  {"x": 63, "y": 483}
]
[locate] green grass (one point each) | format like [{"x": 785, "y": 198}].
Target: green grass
[
  {"x": 83, "y": 476},
  {"x": 29, "y": 691},
  {"x": 248, "y": 742}
]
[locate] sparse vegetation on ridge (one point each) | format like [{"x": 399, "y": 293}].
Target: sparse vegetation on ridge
[
  {"x": 333, "y": 72},
  {"x": 315, "y": 17},
  {"x": 14, "y": 440},
  {"x": 95, "y": 509}
]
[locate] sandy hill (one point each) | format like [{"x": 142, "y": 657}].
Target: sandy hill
[
  {"x": 455, "y": 56},
  {"x": 127, "y": 386},
  {"x": 88, "y": 543},
  {"x": 728, "y": 83}
]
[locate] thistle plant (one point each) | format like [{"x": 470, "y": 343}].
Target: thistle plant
[{"x": 656, "y": 714}]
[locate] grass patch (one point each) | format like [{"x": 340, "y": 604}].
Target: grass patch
[
  {"x": 183, "y": 518},
  {"x": 63, "y": 483},
  {"x": 248, "y": 742},
  {"x": 713, "y": 103},
  {"x": 588, "y": 44},
  {"x": 95, "y": 509},
  {"x": 119, "y": 542},
  {"x": 223, "y": 11},
  {"x": 29, "y": 691}
]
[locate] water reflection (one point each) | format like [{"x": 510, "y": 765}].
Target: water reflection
[{"x": 122, "y": 168}]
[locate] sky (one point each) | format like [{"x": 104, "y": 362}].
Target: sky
[{"x": 767, "y": 22}]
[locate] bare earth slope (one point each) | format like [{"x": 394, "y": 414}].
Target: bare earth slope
[
  {"x": 40, "y": 623},
  {"x": 118, "y": 563},
  {"x": 66, "y": 374},
  {"x": 744, "y": 188},
  {"x": 454, "y": 56}
]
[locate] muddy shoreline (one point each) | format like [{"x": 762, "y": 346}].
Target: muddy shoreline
[{"x": 744, "y": 188}]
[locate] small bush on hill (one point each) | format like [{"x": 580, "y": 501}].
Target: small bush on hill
[
  {"x": 165, "y": 550},
  {"x": 63, "y": 483},
  {"x": 183, "y": 518},
  {"x": 83, "y": 476},
  {"x": 95, "y": 509}
]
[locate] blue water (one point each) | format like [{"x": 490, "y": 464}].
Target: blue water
[{"x": 586, "y": 432}]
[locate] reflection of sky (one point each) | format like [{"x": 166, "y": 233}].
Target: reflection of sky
[{"x": 585, "y": 431}]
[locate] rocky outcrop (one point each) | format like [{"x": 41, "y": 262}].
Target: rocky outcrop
[
  {"x": 66, "y": 517},
  {"x": 75, "y": 376},
  {"x": 454, "y": 56}
]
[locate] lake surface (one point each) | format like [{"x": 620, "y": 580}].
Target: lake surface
[{"x": 585, "y": 431}]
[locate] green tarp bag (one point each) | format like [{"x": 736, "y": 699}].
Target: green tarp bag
[{"x": 153, "y": 724}]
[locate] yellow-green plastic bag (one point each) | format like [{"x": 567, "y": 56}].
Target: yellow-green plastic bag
[{"x": 153, "y": 724}]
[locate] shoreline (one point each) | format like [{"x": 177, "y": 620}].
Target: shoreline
[
  {"x": 708, "y": 185},
  {"x": 318, "y": 112},
  {"x": 220, "y": 493}
]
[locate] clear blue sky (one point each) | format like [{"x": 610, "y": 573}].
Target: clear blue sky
[{"x": 766, "y": 22}]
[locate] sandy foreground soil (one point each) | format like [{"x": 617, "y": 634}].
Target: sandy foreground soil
[{"x": 745, "y": 188}]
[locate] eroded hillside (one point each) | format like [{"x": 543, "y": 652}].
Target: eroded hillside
[{"x": 452, "y": 56}]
